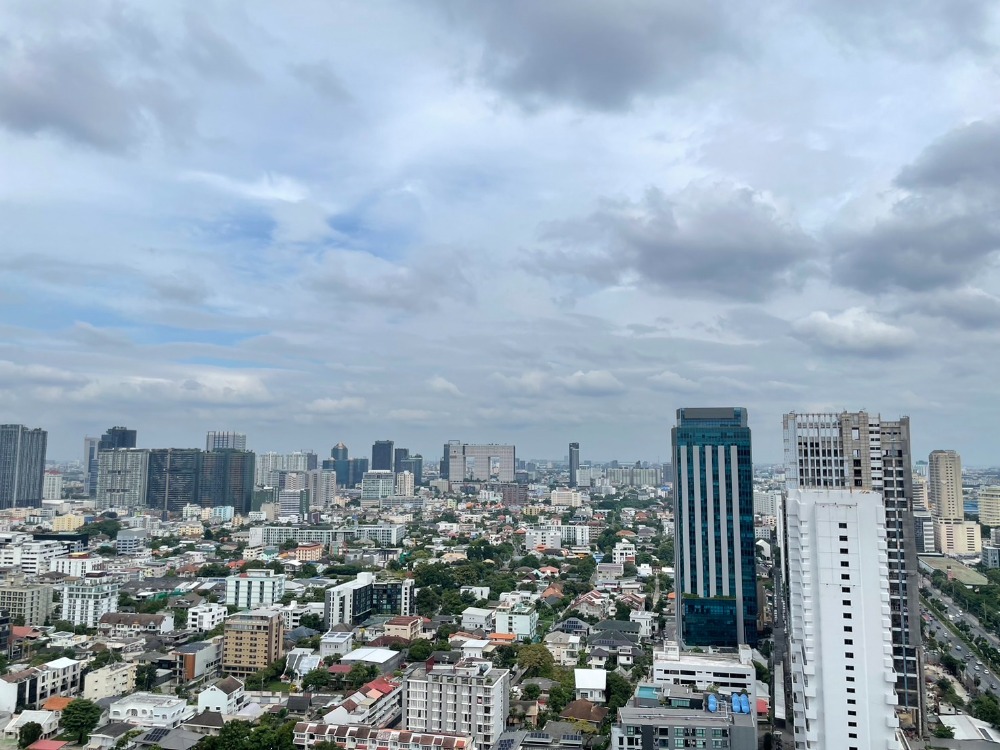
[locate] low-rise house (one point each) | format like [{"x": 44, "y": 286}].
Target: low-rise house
[
  {"x": 564, "y": 647},
  {"x": 361, "y": 738},
  {"x": 47, "y": 720},
  {"x": 110, "y": 681},
  {"x": 224, "y": 697},
  {"x": 478, "y": 618},
  {"x": 585, "y": 711},
  {"x": 30, "y": 688},
  {"x": 150, "y": 710},
  {"x": 125, "y": 624},
  {"x": 107, "y": 736},
  {"x": 406, "y": 627},
  {"x": 376, "y": 704},
  {"x": 593, "y": 604},
  {"x": 591, "y": 685},
  {"x": 336, "y": 643}
]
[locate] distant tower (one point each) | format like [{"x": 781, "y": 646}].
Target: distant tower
[
  {"x": 574, "y": 462},
  {"x": 713, "y": 517},
  {"x": 22, "y": 466},
  {"x": 339, "y": 452},
  {"x": 90, "y": 465},
  {"x": 223, "y": 441},
  {"x": 117, "y": 437},
  {"x": 945, "y": 485},
  {"x": 399, "y": 455},
  {"x": 382, "y": 455}
]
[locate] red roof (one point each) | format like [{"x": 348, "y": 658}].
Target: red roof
[
  {"x": 340, "y": 669},
  {"x": 46, "y": 745}
]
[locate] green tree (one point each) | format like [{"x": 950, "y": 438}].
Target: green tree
[
  {"x": 80, "y": 718},
  {"x": 619, "y": 692},
  {"x": 505, "y": 656},
  {"x": 145, "y": 676},
  {"x": 535, "y": 660},
  {"x": 531, "y": 692},
  {"x": 944, "y": 732},
  {"x": 213, "y": 570},
  {"x": 29, "y": 733},
  {"x": 316, "y": 678},
  {"x": 559, "y": 698},
  {"x": 420, "y": 650},
  {"x": 427, "y": 602},
  {"x": 311, "y": 620}
]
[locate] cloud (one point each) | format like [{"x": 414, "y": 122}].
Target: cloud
[
  {"x": 599, "y": 55},
  {"x": 346, "y": 405},
  {"x": 320, "y": 77},
  {"x": 854, "y": 331},
  {"x": 212, "y": 54},
  {"x": 439, "y": 384},
  {"x": 411, "y": 415},
  {"x": 268, "y": 187},
  {"x": 593, "y": 383},
  {"x": 717, "y": 239},
  {"x": 970, "y": 308},
  {"x": 939, "y": 228},
  {"x": 671, "y": 381}
]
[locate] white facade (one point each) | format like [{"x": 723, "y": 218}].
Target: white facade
[
  {"x": 961, "y": 538},
  {"x": 405, "y": 483},
  {"x": 151, "y": 710},
  {"x": 989, "y": 506},
  {"x": 52, "y": 483},
  {"x": 623, "y": 552},
  {"x": 477, "y": 618},
  {"x": 377, "y": 484},
  {"x": 226, "y": 697},
  {"x": 255, "y": 588},
  {"x": 728, "y": 672},
  {"x": 565, "y": 498},
  {"x": 207, "y": 616},
  {"x": 322, "y": 486},
  {"x": 543, "y": 539},
  {"x": 121, "y": 478},
  {"x": 33, "y": 558},
  {"x": 516, "y": 619},
  {"x": 88, "y": 599},
  {"x": 489, "y": 462},
  {"x": 470, "y": 697},
  {"x": 839, "y": 630},
  {"x": 109, "y": 681},
  {"x": 77, "y": 565},
  {"x": 944, "y": 485}
]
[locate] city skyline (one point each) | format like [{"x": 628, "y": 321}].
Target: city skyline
[{"x": 322, "y": 224}]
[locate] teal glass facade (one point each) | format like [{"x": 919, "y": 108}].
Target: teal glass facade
[{"x": 715, "y": 570}]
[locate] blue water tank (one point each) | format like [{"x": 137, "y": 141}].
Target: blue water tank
[
  {"x": 736, "y": 703},
  {"x": 745, "y": 704},
  {"x": 713, "y": 703}
]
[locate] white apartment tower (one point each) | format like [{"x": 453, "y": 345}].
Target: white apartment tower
[
  {"x": 121, "y": 478},
  {"x": 944, "y": 485},
  {"x": 840, "y": 642},
  {"x": 405, "y": 484},
  {"x": 468, "y": 697},
  {"x": 87, "y": 599},
  {"x": 377, "y": 484},
  {"x": 861, "y": 451}
]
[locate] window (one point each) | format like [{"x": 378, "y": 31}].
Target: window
[
  {"x": 845, "y": 576},
  {"x": 843, "y": 550},
  {"x": 844, "y": 563},
  {"x": 843, "y": 525},
  {"x": 848, "y": 629},
  {"x": 848, "y": 641},
  {"x": 849, "y": 654}
]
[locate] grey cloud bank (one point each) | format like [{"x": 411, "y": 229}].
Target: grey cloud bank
[{"x": 525, "y": 222}]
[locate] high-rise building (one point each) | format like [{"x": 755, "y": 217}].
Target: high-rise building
[
  {"x": 339, "y": 451},
  {"x": 30, "y": 603},
  {"x": 322, "y": 486},
  {"x": 377, "y": 484},
  {"x": 714, "y": 531},
  {"x": 465, "y": 462},
  {"x": 855, "y": 450},
  {"x": 85, "y": 600},
  {"x": 219, "y": 441},
  {"x": 356, "y": 469},
  {"x": 404, "y": 484},
  {"x": 52, "y": 485},
  {"x": 353, "y": 602},
  {"x": 574, "y": 463},
  {"x": 944, "y": 487},
  {"x": 22, "y": 465},
  {"x": 252, "y": 641},
  {"x": 117, "y": 437},
  {"x": 415, "y": 465},
  {"x": 254, "y": 588},
  {"x": 470, "y": 696},
  {"x": 399, "y": 455},
  {"x": 91, "y": 447},
  {"x": 122, "y": 478},
  {"x": 172, "y": 478},
  {"x": 382, "y": 455},
  {"x": 840, "y": 635},
  {"x": 989, "y": 506},
  {"x": 268, "y": 466},
  {"x": 226, "y": 478}
]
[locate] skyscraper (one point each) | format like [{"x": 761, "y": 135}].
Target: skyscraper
[
  {"x": 117, "y": 437},
  {"x": 864, "y": 452},
  {"x": 217, "y": 441},
  {"x": 382, "y": 455},
  {"x": 226, "y": 478},
  {"x": 415, "y": 465},
  {"x": 487, "y": 462},
  {"x": 714, "y": 533},
  {"x": 398, "y": 456},
  {"x": 122, "y": 476},
  {"x": 339, "y": 451},
  {"x": 22, "y": 465},
  {"x": 944, "y": 489},
  {"x": 172, "y": 480},
  {"x": 574, "y": 462},
  {"x": 91, "y": 446},
  {"x": 839, "y": 630}
]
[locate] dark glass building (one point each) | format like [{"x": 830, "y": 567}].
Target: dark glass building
[
  {"x": 227, "y": 478},
  {"x": 339, "y": 451},
  {"x": 382, "y": 455},
  {"x": 415, "y": 465},
  {"x": 574, "y": 462},
  {"x": 713, "y": 528},
  {"x": 22, "y": 466},
  {"x": 117, "y": 437},
  {"x": 172, "y": 478},
  {"x": 398, "y": 456}
]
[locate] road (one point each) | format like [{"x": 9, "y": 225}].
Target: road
[{"x": 954, "y": 645}]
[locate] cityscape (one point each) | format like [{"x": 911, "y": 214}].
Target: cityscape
[
  {"x": 499, "y": 375},
  {"x": 844, "y": 598}
]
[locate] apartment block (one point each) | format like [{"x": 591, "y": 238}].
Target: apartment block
[
  {"x": 85, "y": 600},
  {"x": 253, "y": 640},
  {"x": 109, "y": 681},
  {"x": 255, "y": 588}
]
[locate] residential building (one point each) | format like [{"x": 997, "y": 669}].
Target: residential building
[
  {"x": 923, "y": 532},
  {"x": 172, "y": 478},
  {"x": 132, "y": 624},
  {"x": 353, "y": 602},
  {"x": 415, "y": 465},
  {"x": 68, "y": 522},
  {"x": 516, "y": 618},
  {"x": 255, "y": 588},
  {"x": 944, "y": 485},
  {"x": 564, "y": 647},
  {"x": 405, "y": 484},
  {"x": 117, "y": 437},
  {"x": 687, "y": 723},
  {"x": 52, "y": 485},
  {"x": 713, "y": 515},
  {"x": 989, "y": 506},
  {"x": 77, "y": 564},
  {"x": 958, "y": 538},
  {"x": 322, "y": 486},
  {"x": 382, "y": 455},
  {"x": 365, "y": 737},
  {"x": 378, "y": 483},
  {"x": 151, "y": 710},
  {"x": 32, "y": 558},
  {"x": 728, "y": 672},
  {"x": 480, "y": 463},
  {"x": 478, "y": 618},
  {"x": 47, "y": 721},
  {"x": 90, "y": 453},
  {"x": 468, "y": 697},
  {"x": 29, "y": 603},
  {"x": 225, "y": 697},
  {"x": 122, "y": 478},
  {"x": 253, "y": 641},
  {"x": 407, "y": 628},
  {"x": 22, "y": 465},
  {"x": 30, "y": 688},
  {"x": 562, "y": 497},
  {"x": 385, "y": 659},
  {"x": 840, "y": 636},
  {"x": 866, "y": 452},
  {"x": 85, "y": 600},
  {"x": 383, "y": 534},
  {"x": 591, "y": 685},
  {"x": 222, "y": 441},
  {"x": 543, "y": 538},
  {"x": 107, "y": 682},
  {"x": 624, "y": 552},
  {"x": 198, "y": 661},
  {"x": 226, "y": 478},
  {"x": 378, "y": 703},
  {"x": 131, "y": 541},
  {"x": 574, "y": 463},
  {"x": 336, "y": 643},
  {"x": 991, "y": 556}
]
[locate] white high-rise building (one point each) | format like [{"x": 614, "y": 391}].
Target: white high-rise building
[
  {"x": 944, "y": 484},
  {"x": 840, "y": 634},
  {"x": 52, "y": 484},
  {"x": 405, "y": 484},
  {"x": 468, "y": 697},
  {"x": 322, "y": 486},
  {"x": 377, "y": 484},
  {"x": 482, "y": 463},
  {"x": 218, "y": 441},
  {"x": 989, "y": 506},
  {"x": 87, "y": 599},
  {"x": 255, "y": 588}
]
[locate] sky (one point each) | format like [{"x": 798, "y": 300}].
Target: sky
[{"x": 519, "y": 221}]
